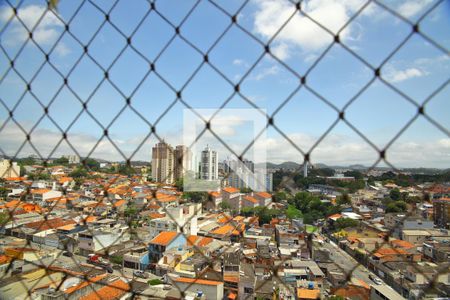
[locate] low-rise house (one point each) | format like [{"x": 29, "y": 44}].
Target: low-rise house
[
  {"x": 437, "y": 249},
  {"x": 215, "y": 199},
  {"x": 383, "y": 255},
  {"x": 193, "y": 266},
  {"x": 164, "y": 241},
  {"x": 231, "y": 269},
  {"x": 181, "y": 218},
  {"x": 113, "y": 290},
  {"x": 209, "y": 288},
  {"x": 263, "y": 198},
  {"x": 415, "y": 236},
  {"x": 247, "y": 282},
  {"x": 308, "y": 293},
  {"x": 296, "y": 269},
  {"x": 232, "y": 196},
  {"x": 137, "y": 258},
  {"x": 100, "y": 239},
  {"x": 249, "y": 201},
  {"x": 40, "y": 196},
  {"x": 400, "y": 222}
]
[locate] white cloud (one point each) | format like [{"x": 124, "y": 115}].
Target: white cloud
[
  {"x": 46, "y": 27},
  {"x": 335, "y": 149},
  {"x": 269, "y": 71},
  {"x": 394, "y": 75},
  {"x": 238, "y": 62},
  {"x": 411, "y": 8},
  {"x": 301, "y": 32},
  {"x": 281, "y": 51},
  {"x": 62, "y": 49}
]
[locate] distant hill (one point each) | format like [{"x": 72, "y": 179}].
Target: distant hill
[{"x": 285, "y": 165}]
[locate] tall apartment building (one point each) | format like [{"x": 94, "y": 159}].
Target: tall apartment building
[
  {"x": 73, "y": 159},
  {"x": 163, "y": 163},
  {"x": 257, "y": 181},
  {"x": 182, "y": 161},
  {"x": 209, "y": 164},
  {"x": 441, "y": 212},
  {"x": 170, "y": 164},
  {"x": 9, "y": 170},
  {"x": 234, "y": 165}
]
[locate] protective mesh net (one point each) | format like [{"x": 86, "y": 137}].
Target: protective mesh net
[{"x": 66, "y": 81}]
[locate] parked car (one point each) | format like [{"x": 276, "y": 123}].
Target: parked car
[
  {"x": 140, "y": 274},
  {"x": 375, "y": 279}
]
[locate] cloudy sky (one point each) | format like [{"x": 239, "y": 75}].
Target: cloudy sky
[{"x": 296, "y": 42}]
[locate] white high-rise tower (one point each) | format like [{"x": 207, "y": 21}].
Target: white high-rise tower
[{"x": 209, "y": 164}]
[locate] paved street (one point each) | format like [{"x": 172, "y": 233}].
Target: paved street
[{"x": 347, "y": 263}]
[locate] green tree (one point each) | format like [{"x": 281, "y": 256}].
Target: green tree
[
  {"x": 395, "y": 194},
  {"x": 246, "y": 190},
  {"x": 346, "y": 223},
  {"x": 197, "y": 197},
  {"x": 179, "y": 184},
  {"x": 39, "y": 176},
  {"x": 126, "y": 170},
  {"x": 224, "y": 205},
  {"x": 247, "y": 211},
  {"x": 91, "y": 164},
  {"x": 354, "y": 173},
  {"x": 293, "y": 213},
  {"x": 61, "y": 161},
  {"x": 130, "y": 211},
  {"x": 155, "y": 281},
  {"x": 4, "y": 218},
  {"x": 4, "y": 192},
  {"x": 396, "y": 207},
  {"x": 116, "y": 259},
  {"x": 27, "y": 161},
  {"x": 280, "y": 196},
  {"x": 401, "y": 205},
  {"x": 343, "y": 199},
  {"x": 78, "y": 173},
  {"x": 334, "y": 297}
]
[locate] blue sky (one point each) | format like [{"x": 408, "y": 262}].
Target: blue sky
[{"x": 417, "y": 70}]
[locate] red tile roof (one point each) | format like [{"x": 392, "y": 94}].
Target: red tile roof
[
  {"x": 402, "y": 244},
  {"x": 231, "y": 190},
  {"x": 251, "y": 199},
  {"x": 49, "y": 224},
  {"x": 308, "y": 294},
  {"x": 111, "y": 291},
  {"x": 40, "y": 191},
  {"x": 84, "y": 283},
  {"x": 264, "y": 195},
  {"x": 226, "y": 229},
  {"x": 196, "y": 281},
  {"x": 164, "y": 238}
]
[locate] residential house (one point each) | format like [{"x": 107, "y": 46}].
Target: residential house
[
  {"x": 263, "y": 198},
  {"x": 232, "y": 196},
  {"x": 209, "y": 288},
  {"x": 100, "y": 239},
  {"x": 137, "y": 258},
  {"x": 162, "y": 242}
]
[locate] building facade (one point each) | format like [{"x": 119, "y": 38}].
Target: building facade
[
  {"x": 163, "y": 163},
  {"x": 182, "y": 161},
  {"x": 169, "y": 164},
  {"x": 441, "y": 212},
  {"x": 209, "y": 165},
  {"x": 8, "y": 169}
]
